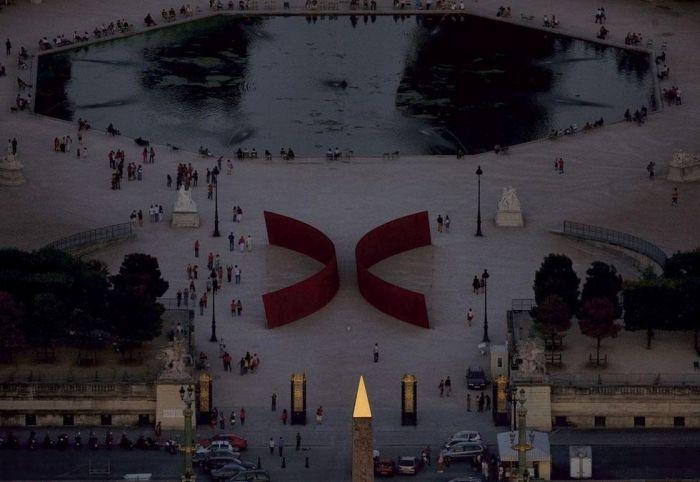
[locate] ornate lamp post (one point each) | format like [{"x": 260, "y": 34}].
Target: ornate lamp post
[
  {"x": 187, "y": 396},
  {"x": 525, "y": 440},
  {"x": 215, "y": 285},
  {"x": 479, "y": 172},
  {"x": 485, "y": 277},
  {"x": 216, "y": 233}
]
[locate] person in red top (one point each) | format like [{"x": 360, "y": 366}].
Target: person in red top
[{"x": 241, "y": 415}]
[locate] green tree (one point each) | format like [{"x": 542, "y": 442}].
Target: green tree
[
  {"x": 689, "y": 308},
  {"x": 135, "y": 314},
  {"x": 553, "y": 317},
  {"x": 46, "y": 323},
  {"x": 556, "y": 276},
  {"x": 598, "y": 321},
  {"x": 650, "y": 305},
  {"x": 603, "y": 281},
  {"x": 11, "y": 317}
]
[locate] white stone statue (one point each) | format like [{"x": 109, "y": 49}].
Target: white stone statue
[
  {"x": 185, "y": 214},
  {"x": 684, "y": 167},
  {"x": 11, "y": 170},
  {"x": 509, "y": 200},
  {"x": 531, "y": 352}
]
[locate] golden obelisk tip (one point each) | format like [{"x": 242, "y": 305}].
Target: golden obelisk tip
[{"x": 362, "y": 409}]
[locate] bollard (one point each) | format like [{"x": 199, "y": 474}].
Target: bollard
[
  {"x": 284, "y": 463},
  {"x": 306, "y": 464},
  {"x": 259, "y": 464}
]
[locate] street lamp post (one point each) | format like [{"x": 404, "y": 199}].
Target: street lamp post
[
  {"x": 485, "y": 277},
  {"x": 215, "y": 284},
  {"x": 479, "y": 172},
  {"x": 216, "y": 233},
  {"x": 187, "y": 396},
  {"x": 525, "y": 442}
]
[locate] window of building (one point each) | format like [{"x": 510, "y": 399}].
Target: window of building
[
  {"x": 68, "y": 420},
  {"x": 144, "y": 419},
  {"x": 106, "y": 419},
  {"x": 599, "y": 421},
  {"x": 560, "y": 421},
  {"x": 499, "y": 362},
  {"x": 640, "y": 422},
  {"x": 30, "y": 419},
  {"x": 679, "y": 421}
]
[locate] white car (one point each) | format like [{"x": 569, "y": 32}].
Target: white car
[{"x": 216, "y": 445}]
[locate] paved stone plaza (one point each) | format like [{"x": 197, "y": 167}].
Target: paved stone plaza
[{"x": 605, "y": 184}]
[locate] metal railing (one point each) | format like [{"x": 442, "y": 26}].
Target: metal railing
[
  {"x": 522, "y": 304},
  {"x": 595, "y": 233},
  {"x": 94, "y": 236}
]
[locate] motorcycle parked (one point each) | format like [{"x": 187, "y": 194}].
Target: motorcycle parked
[
  {"x": 48, "y": 443},
  {"x": 125, "y": 443},
  {"x": 109, "y": 440},
  {"x": 93, "y": 444},
  {"x": 171, "y": 446},
  {"x": 62, "y": 441},
  {"x": 77, "y": 441},
  {"x": 31, "y": 443}
]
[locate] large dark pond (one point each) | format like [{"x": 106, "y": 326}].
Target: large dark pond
[{"x": 417, "y": 85}]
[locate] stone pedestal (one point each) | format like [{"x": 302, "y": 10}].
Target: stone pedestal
[
  {"x": 509, "y": 213},
  {"x": 185, "y": 214},
  {"x": 11, "y": 171},
  {"x": 362, "y": 440},
  {"x": 684, "y": 167}
]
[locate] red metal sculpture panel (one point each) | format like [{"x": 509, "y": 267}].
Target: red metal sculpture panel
[
  {"x": 307, "y": 296},
  {"x": 392, "y": 238}
]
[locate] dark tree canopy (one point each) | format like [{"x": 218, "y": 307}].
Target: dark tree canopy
[
  {"x": 46, "y": 325},
  {"x": 603, "y": 281},
  {"x": 556, "y": 276},
  {"x": 683, "y": 264},
  {"x": 134, "y": 312},
  {"x": 11, "y": 316},
  {"x": 598, "y": 321},
  {"x": 553, "y": 316}
]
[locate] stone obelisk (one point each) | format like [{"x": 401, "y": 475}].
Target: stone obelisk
[{"x": 362, "y": 440}]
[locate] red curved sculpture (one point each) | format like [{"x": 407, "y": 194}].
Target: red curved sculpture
[
  {"x": 394, "y": 237},
  {"x": 307, "y": 296}
]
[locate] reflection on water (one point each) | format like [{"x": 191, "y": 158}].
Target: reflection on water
[{"x": 372, "y": 84}]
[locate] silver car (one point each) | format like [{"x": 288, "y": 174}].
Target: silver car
[
  {"x": 462, "y": 451},
  {"x": 463, "y": 436}
]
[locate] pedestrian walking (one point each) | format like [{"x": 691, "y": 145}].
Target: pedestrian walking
[
  {"x": 241, "y": 415},
  {"x": 8, "y": 47},
  {"x": 439, "y": 223},
  {"x": 237, "y": 274},
  {"x": 448, "y": 386},
  {"x": 650, "y": 169},
  {"x": 427, "y": 454},
  {"x": 476, "y": 285},
  {"x": 470, "y": 316},
  {"x": 274, "y": 402},
  {"x": 319, "y": 415},
  {"x": 280, "y": 446},
  {"x": 271, "y": 445},
  {"x": 284, "y": 416},
  {"x": 674, "y": 197},
  {"x": 376, "y": 352},
  {"x": 469, "y": 402},
  {"x": 441, "y": 386},
  {"x": 222, "y": 421},
  {"x": 561, "y": 165},
  {"x": 249, "y": 243},
  {"x": 232, "y": 418},
  {"x": 447, "y": 223},
  {"x": 298, "y": 444},
  {"x": 480, "y": 402},
  {"x": 196, "y": 249},
  {"x": 488, "y": 402}
]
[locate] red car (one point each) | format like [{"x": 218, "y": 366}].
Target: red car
[
  {"x": 236, "y": 441},
  {"x": 385, "y": 467}
]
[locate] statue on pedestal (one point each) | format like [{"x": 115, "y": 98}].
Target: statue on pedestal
[
  {"x": 185, "y": 214},
  {"x": 509, "y": 212},
  {"x": 11, "y": 169}
]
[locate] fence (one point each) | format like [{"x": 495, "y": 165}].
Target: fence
[
  {"x": 522, "y": 304},
  {"x": 83, "y": 239},
  {"x": 595, "y": 233}
]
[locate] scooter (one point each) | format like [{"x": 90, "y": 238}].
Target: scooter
[
  {"x": 109, "y": 440},
  {"x": 48, "y": 442},
  {"x": 77, "y": 441},
  {"x": 62, "y": 441},
  {"x": 125, "y": 443},
  {"x": 31, "y": 443},
  {"x": 92, "y": 442},
  {"x": 171, "y": 446}
]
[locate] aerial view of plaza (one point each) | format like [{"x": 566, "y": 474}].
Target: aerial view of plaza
[{"x": 348, "y": 240}]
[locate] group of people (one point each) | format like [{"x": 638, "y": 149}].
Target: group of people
[
  {"x": 483, "y": 402},
  {"x": 559, "y": 165},
  {"x": 102, "y": 30},
  {"x": 443, "y": 223},
  {"x": 64, "y": 144},
  {"x": 249, "y": 363},
  {"x": 633, "y": 38},
  {"x": 600, "y": 15},
  {"x": 503, "y": 11},
  {"x": 445, "y": 386},
  {"x": 672, "y": 95},
  {"x": 550, "y": 23},
  {"x": 156, "y": 213},
  {"x": 639, "y": 116},
  {"x": 333, "y": 154},
  {"x": 479, "y": 284},
  {"x": 186, "y": 176}
]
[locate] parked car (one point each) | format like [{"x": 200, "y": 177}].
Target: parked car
[
  {"x": 251, "y": 476},
  {"x": 236, "y": 441},
  {"x": 215, "y": 445},
  {"x": 200, "y": 457},
  {"x": 462, "y": 451},
  {"x": 409, "y": 465},
  {"x": 214, "y": 463},
  {"x": 476, "y": 378},
  {"x": 472, "y": 478},
  {"x": 385, "y": 467},
  {"x": 463, "y": 436},
  {"x": 231, "y": 469}
]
